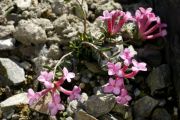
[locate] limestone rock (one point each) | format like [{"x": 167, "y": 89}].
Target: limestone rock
[
  {"x": 6, "y": 30},
  {"x": 144, "y": 106},
  {"x": 159, "y": 78},
  {"x": 82, "y": 115},
  {"x": 28, "y": 32},
  {"x": 11, "y": 73},
  {"x": 7, "y": 44},
  {"x": 15, "y": 100},
  {"x": 100, "y": 104},
  {"x": 161, "y": 114}
]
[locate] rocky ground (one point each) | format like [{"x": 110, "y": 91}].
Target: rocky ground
[{"x": 35, "y": 33}]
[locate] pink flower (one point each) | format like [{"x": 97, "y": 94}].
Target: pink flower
[
  {"x": 32, "y": 96},
  {"x": 67, "y": 75},
  {"x": 124, "y": 98},
  {"x": 55, "y": 105},
  {"x": 75, "y": 94},
  {"x": 147, "y": 29},
  {"x": 127, "y": 55},
  {"x": 114, "y": 69},
  {"x": 138, "y": 66},
  {"x": 46, "y": 78},
  {"x": 114, "y": 86},
  {"x": 115, "y": 20}
]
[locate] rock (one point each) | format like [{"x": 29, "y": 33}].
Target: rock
[
  {"x": 82, "y": 115},
  {"x": 100, "y": 104},
  {"x": 84, "y": 98},
  {"x": 69, "y": 118},
  {"x": 72, "y": 107},
  {"x": 6, "y": 30},
  {"x": 124, "y": 111},
  {"x": 58, "y": 7},
  {"x": 144, "y": 106},
  {"x": 14, "y": 100},
  {"x": 44, "y": 23},
  {"x": 165, "y": 9},
  {"x": 39, "y": 62},
  {"x": 7, "y": 44},
  {"x": 78, "y": 10},
  {"x": 101, "y": 6},
  {"x": 26, "y": 65},
  {"x": 54, "y": 52},
  {"x": 159, "y": 78},
  {"x": 42, "y": 105},
  {"x": 68, "y": 26},
  {"x": 151, "y": 56},
  {"x": 110, "y": 117},
  {"x": 160, "y": 114},
  {"x": 11, "y": 73},
  {"x": 7, "y": 113},
  {"x": 23, "y": 4},
  {"x": 28, "y": 32}
]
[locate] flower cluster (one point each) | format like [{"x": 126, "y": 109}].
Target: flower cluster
[
  {"x": 149, "y": 25},
  {"x": 119, "y": 71},
  {"x": 115, "y": 20},
  {"x": 54, "y": 88}
]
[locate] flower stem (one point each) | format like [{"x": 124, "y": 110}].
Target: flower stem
[{"x": 59, "y": 62}]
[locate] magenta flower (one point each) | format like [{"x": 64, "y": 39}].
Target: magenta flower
[
  {"x": 124, "y": 98},
  {"x": 75, "y": 94},
  {"x": 147, "y": 29},
  {"x": 115, "y": 20},
  {"x": 55, "y": 105},
  {"x": 114, "y": 69},
  {"x": 68, "y": 75},
  {"x": 32, "y": 96},
  {"x": 114, "y": 86},
  {"x": 138, "y": 66},
  {"x": 46, "y": 78},
  {"x": 127, "y": 55}
]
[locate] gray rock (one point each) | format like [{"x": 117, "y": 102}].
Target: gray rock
[
  {"x": 7, "y": 113},
  {"x": 110, "y": 117},
  {"x": 100, "y": 104},
  {"x": 124, "y": 111},
  {"x": 11, "y": 73},
  {"x": 14, "y": 100},
  {"x": 150, "y": 55},
  {"x": 103, "y": 5},
  {"x": 68, "y": 26},
  {"x": 160, "y": 114},
  {"x": 58, "y": 7},
  {"x": 165, "y": 9},
  {"x": 44, "y": 23},
  {"x": 72, "y": 107},
  {"x": 28, "y": 32},
  {"x": 159, "y": 78},
  {"x": 144, "y": 106},
  {"x": 7, "y": 44},
  {"x": 82, "y": 115},
  {"x": 54, "y": 52},
  {"x": 78, "y": 10},
  {"x": 6, "y": 30},
  {"x": 23, "y": 4},
  {"x": 69, "y": 118},
  {"x": 26, "y": 65}
]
